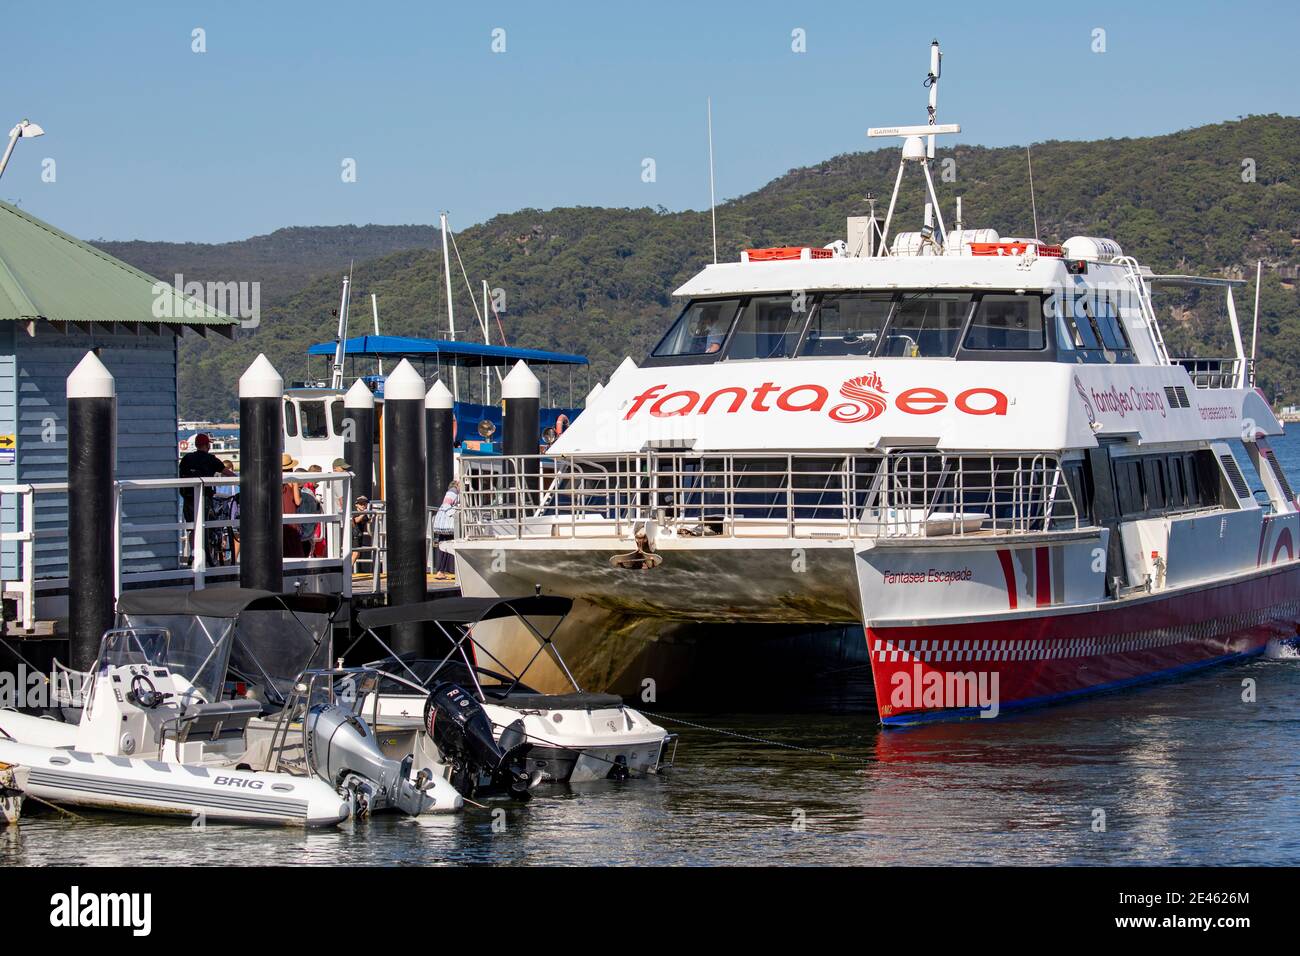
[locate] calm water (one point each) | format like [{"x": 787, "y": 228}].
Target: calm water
[{"x": 1185, "y": 772}]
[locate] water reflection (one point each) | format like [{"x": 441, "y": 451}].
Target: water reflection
[{"x": 1185, "y": 772}]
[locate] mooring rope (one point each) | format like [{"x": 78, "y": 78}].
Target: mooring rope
[{"x": 757, "y": 740}]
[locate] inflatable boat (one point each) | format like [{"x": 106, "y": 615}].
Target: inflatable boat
[{"x": 157, "y": 732}]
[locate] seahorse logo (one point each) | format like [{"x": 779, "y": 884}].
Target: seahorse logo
[
  {"x": 866, "y": 399},
  {"x": 1087, "y": 404}
]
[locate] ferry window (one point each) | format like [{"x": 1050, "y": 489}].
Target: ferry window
[
  {"x": 1155, "y": 467},
  {"x": 1108, "y": 324},
  {"x": 1190, "y": 480},
  {"x": 290, "y": 419},
  {"x": 1209, "y": 480},
  {"x": 1080, "y": 486},
  {"x": 336, "y": 416},
  {"x": 926, "y": 325},
  {"x": 847, "y": 324},
  {"x": 1083, "y": 335},
  {"x": 313, "y": 419},
  {"x": 1177, "y": 485},
  {"x": 701, "y": 329},
  {"x": 1064, "y": 334},
  {"x": 1007, "y": 322},
  {"x": 1128, "y": 486},
  {"x": 769, "y": 326}
]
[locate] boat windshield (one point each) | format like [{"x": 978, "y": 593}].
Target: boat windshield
[
  {"x": 122, "y": 647},
  {"x": 926, "y": 325},
  {"x": 769, "y": 326},
  {"x": 313, "y": 419},
  {"x": 701, "y": 329},
  {"x": 848, "y": 324},
  {"x": 195, "y": 648},
  {"x": 1003, "y": 322}
]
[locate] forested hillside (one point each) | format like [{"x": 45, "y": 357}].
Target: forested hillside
[
  {"x": 284, "y": 261},
  {"x": 599, "y": 281}
]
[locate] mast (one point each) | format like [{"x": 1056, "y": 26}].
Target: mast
[
  {"x": 487, "y": 373},
  {"x": 374, "y": 310},
  {"x": 713, "y": 212},
  {"x": 336, "y": 374},
  {"x": 451, "y": 312},
  {"x": 1254, "y": 330},
  {"x": 918, "y": 147}
]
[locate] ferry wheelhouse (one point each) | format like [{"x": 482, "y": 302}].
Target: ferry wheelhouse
[{"x": 977, "y": 448}]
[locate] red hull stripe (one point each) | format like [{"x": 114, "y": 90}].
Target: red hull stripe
[
  {"x": 1009, "y": 575},
  {"x": 1283, "y": 543},
  {"x": 1039, "y": 657}
]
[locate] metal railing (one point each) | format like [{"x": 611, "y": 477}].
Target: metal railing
[
  {"x": 896, "y": 494},
  {"x": 1133, "y": 272},
  {"x": 370, "y": 546},
  {"x": 22, "y": 501},
  {"x": 1216, "y": 372}
]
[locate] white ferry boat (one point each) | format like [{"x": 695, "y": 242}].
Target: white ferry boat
[{"x": 976, "y": 447}]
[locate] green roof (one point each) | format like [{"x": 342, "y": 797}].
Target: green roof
[{"x": 50, "y": 275}]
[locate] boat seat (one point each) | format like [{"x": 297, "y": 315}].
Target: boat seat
[
  {"x": 576, "y": 701},
  {"x": 217, "y": 721}
]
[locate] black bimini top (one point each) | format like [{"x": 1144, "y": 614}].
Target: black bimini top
[
  {"x": 466, "y": 610},
  {"x": 222, "y": 602}
]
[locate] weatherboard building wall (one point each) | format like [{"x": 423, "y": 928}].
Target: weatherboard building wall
[
  {"x": 59, "y": 298},
  {"x": 33, "y": 409}
]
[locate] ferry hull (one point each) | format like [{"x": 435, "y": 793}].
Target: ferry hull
[
  {"x": 628, "y": 627},
  {"x": 938, "y": 672}
]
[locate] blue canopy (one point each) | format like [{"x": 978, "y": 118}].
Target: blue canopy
[{"x": 468, "y": 354}]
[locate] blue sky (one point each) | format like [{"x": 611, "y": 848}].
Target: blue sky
[{"x": 154, "y": 141}]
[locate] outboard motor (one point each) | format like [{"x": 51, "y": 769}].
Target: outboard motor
[
  {"x": 462, "y": 732},
  {"x": 341, "y": 750}
]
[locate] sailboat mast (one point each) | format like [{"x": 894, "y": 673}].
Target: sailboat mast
[
  {"x": 336, "y": 374},
  {"x": 487, "y": 372},
  {"x": 374, "y": 310},
  {"x": 451, "y": 312}
]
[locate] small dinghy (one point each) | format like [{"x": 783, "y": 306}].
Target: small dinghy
[
  {"x": 168, "y": 724},
  {"x": 572, "y": 737}
]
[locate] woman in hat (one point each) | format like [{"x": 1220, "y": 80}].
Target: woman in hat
[
  {"x": 290, "y": 499},
  {"x": 444, "y": 529}
]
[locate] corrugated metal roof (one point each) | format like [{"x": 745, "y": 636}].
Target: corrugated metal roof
[{"x": 48, "y": 274}]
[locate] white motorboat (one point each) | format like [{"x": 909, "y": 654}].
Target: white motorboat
[
  {"x": 158, "y": 733},
  {"x": 572, "y": 737}
]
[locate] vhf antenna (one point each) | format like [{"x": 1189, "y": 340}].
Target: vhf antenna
[
  {"x": 917, "y": 150},
  {"x": 713, "y": 211},
  {"x": 932, "y": 84}
]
